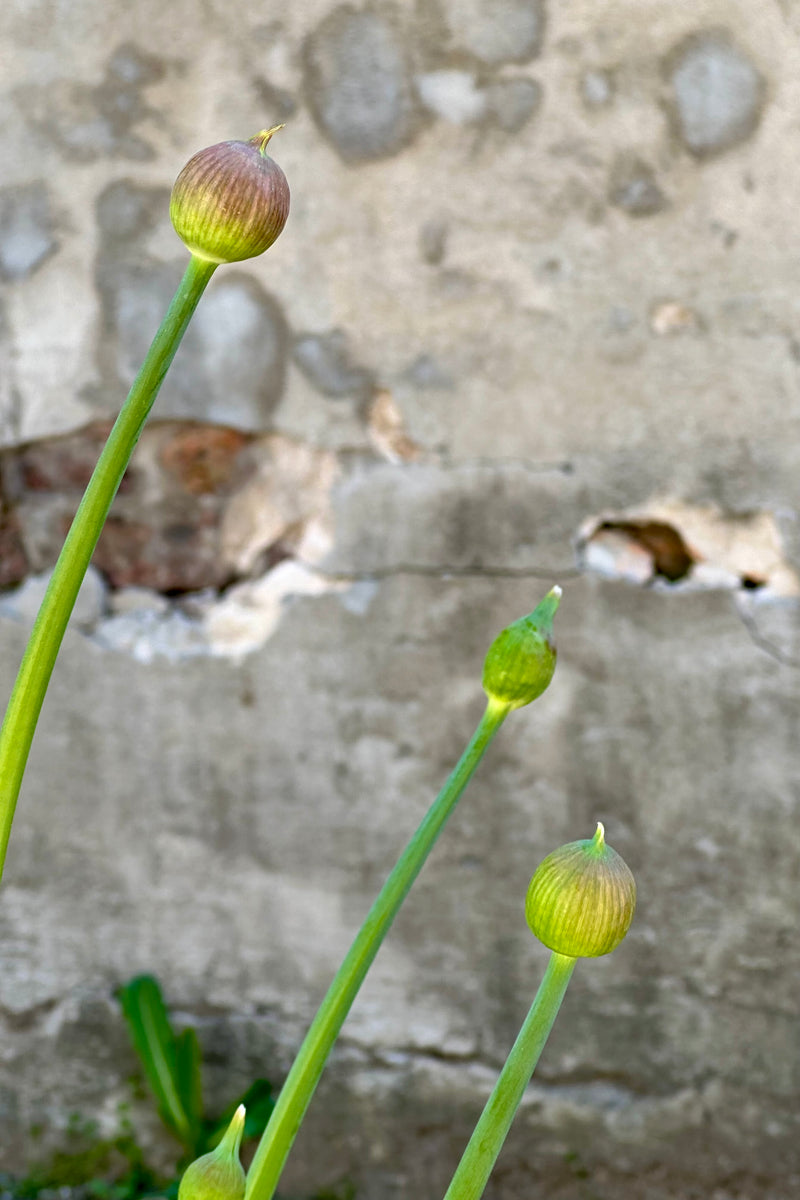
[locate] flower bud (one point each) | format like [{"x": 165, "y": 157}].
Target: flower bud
[
  {"x": 218, "y": 1175},
  {"x": 231, "y": 200},
  {"x": 522, "y": 659},
  {"x": 581, "y": 899}
]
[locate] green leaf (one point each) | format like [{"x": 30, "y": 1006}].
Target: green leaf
[
  {"x": 189, "y": 1081},
  {"x": 155, "y": 1043}
]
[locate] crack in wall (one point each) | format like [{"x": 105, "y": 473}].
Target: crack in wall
[
  {"x": 772, "y": 648},
  {"x": 445, "y": 571}
]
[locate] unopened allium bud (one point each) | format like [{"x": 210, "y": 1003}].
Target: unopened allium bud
[
  {"x": 582, "y": 898},
  {"x": 522, "y": 659},
  {"x": 218, "y": 1175},
  {"x": 231, "y": 200}
]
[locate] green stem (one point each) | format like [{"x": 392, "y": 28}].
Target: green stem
[
  {"x": 489, "y": 1134},
  {"x": 48, "y": 630},
  {"x": 304, "y": 1075}
]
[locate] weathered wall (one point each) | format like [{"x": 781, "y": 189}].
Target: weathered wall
[{"x": 533, "y": 319}]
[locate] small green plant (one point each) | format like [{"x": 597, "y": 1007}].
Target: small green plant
[
  {"x": 172, "y": 1065},
  {"x": 102, "y": 1168}
]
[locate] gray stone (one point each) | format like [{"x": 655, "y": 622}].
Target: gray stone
[
  {"x": 452, "y": 95},
  {"x": 27, "y": 230},
  {"x": 24, "y": 602},
  {"x": 634, "y": 189},
  {"x": 433, "y": 241},
  {"x": 326, "y": 360},
  {"x": 9, "y": 399},
  {"x": 231, "y": 365},
  {"x": 145, "y": 635},
  {"x": 425, "y": 373},
  {"x": 85, "y": 123},
  {"x": 126, "y": 212},
  {"x": 512, "y": 102},
  {"x": 717, "y": 92},
  {"x": 358, "y": 84},
  {"x": 136, "y": 600},
  {"x": 597, "y": 88},
  {"x": 497, "y": 31}
]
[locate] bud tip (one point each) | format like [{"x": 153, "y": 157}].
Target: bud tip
[
  {"x": 261, "y": 139},
  {"x": 233, "y": 1134}
]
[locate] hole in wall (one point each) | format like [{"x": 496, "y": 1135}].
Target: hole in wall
[
  {"x": 672, "y": 544},
  {"x": 212, "y": 532}
]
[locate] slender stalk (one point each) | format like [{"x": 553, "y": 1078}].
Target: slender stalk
[
  {"x": 48, "y": 630},
  {"x": 277, "y": 1139},
  {"x": 489, "y": 1134}
]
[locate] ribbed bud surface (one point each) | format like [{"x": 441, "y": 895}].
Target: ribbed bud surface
[
  {"x": 218, "y": 1175},
  {"x": 522, "y": 659},
  {"x": 582, "y": 898},
  {"x": 230, "y": 201}
]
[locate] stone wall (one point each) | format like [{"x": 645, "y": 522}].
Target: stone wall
[{"x": 534, "y": 319}]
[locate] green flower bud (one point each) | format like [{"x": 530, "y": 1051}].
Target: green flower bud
[
  {"x": 218, "y": 1175},
  {"x": 231, "y": 200},
  {"x": 522, "y": 659},
  {"x": 582, "y": 898}
]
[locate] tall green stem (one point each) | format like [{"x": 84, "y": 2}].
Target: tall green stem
[
  {"x": 48, "y": 630},
  {"x": 304, "y": 1075},
  {"x": 489, "y": 1134}
]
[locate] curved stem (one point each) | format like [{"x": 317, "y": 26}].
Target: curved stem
[
  {"x": 277, "y": 1139},
  {"x": 489, "y": 1134},
  {"x": 48, "y": 630}
]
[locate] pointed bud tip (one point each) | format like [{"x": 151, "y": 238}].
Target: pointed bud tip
[
  {"x": 233, "y": 1134},
  {"x": 261, "y": 139},
  {"x": 547, "y": 608}
]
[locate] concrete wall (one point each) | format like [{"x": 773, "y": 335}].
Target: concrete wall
[{"x": 534, "y": 319}]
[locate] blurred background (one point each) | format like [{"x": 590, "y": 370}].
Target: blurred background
[{"x": 533, "y": 319}]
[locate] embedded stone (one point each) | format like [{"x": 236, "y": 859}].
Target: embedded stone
[
  {"x": 231, "y": 365},
  {"x": 269, "y": 517},
  {"x": 126, "y": 212},
  {"x": 327, "y": 362},
  {"x": 433, "y": 241},
  {"x": 13, "y": 560},
  {"x": 27, "y": 235},
  {"x": 512, "y": 102},
  {"x": 717, "y": 92},
  {"x": 597, "y": 88},
  {"x": 358, "y": 84},
  {"x": 205, "y": 459},
  {"x": 88, "y": 122},
  {"x": 426, "y": 373},
  {"x": 452, "y": 95},
  {"x": 498, "y": 31},
  {"x": 173, "y": 552},
  {"x": 24, "y": 602},
  {"x": 634, "y": 189}
]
